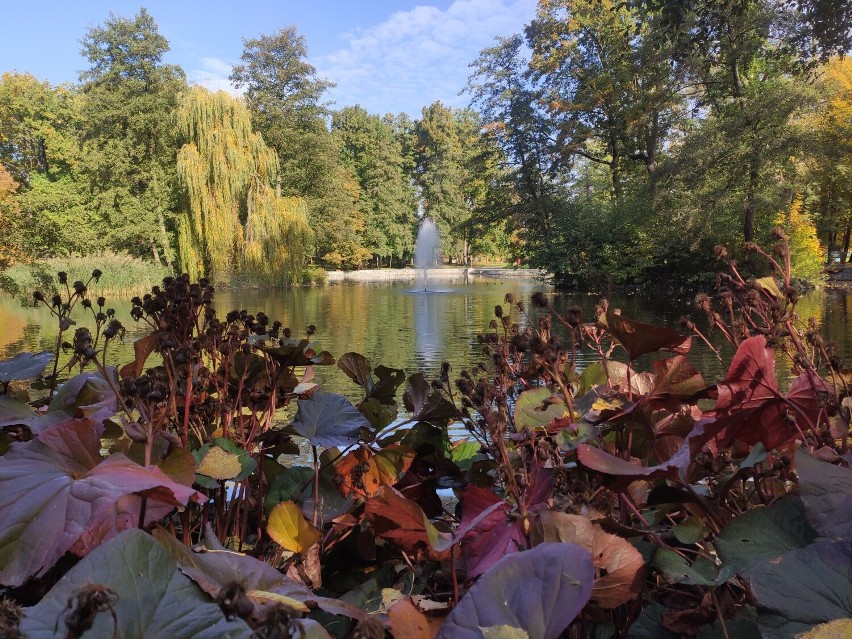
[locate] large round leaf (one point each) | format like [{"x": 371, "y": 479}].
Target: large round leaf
[
  {"x": 287, "y": 526},
  {"x": 762, "y": 533},
  {"x": 24, "y": 366},
  {"x": 57, "y": 495},
  {"x": 154, "y": 600},
  {"x": 803, "y": 588},
  {"x": 826, "y": 491},
  {"x": 87, "y": 395},
  {"x": 539, "y": 591},
  {"x": 538, "y": 407},
  {"x": 328, "y": 419}
]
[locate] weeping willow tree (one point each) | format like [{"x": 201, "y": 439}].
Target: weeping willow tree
[{"x": 235, "y": 221}]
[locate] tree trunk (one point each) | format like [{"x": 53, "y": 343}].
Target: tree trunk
[
  {"x": 155, "y": 252},
  {"x": 164, "y": 237},
  {"x": 846, "y": 238},
  {"x": 751, "y": 193}
]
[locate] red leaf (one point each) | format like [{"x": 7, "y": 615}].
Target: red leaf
[
  {"x": 54, "y": 497},
  {"x": 493, "y": 537},
  {"x": 396, "y": 518},
  {"x": 751, "y": 408}
]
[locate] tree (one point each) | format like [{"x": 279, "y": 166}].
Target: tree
[
  {"x": 234, "y": 220},
  {"x": 10, "y": 249},
  {"x": 440, "y": 176},
  {"x": 39, "y": 146},
  {"x": 828, "y": 162},
  {"x": 373, "y": 152},
  {"x": 284, "y": 94},
  {"x": 128, "y": 100}
]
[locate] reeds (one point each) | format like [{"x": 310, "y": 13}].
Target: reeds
[{"x": 123, "y": 275}]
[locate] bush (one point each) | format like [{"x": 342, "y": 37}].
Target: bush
[{"x": 314, "y": 275}]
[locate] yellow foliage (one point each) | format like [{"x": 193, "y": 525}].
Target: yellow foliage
[
  {"x": 10, "y": 248},
  {"x": 235, "y": 219},
  {"x": 807, "y": 255}
]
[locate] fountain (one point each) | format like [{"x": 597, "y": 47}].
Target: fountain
[{"x": 427, "y": 249}]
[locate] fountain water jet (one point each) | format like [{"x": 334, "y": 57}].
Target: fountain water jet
[{"x": 426, "y": 251}]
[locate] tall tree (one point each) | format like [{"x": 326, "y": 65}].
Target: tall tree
[
  {"x": 828, "y": 162},
  {"x": 284, "y": 96},
  {"x": 234, "y": 221},
  {"x": 374, "y": 154},
  {"x": 610, "y": 85},
  {"x": 128, "y": 100},
  {"x": 440, "y": 175}
]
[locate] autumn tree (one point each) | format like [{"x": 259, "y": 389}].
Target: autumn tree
[
  {"x": 235, "y": 221},
  {"x": 39, "y": 147},
  {"x": 828, "y": 162}
]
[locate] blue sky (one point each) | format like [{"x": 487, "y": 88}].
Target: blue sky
[{"x": 386, "y": 55}]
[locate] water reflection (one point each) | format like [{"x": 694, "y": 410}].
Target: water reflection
[
  {"x": 428, "y": 313},
  {"x": 416, "y": 332}
]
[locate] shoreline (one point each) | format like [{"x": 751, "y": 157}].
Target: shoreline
[{"x": 443, "y": 274}]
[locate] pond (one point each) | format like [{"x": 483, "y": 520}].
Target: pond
[{"x": 415, "y": 331}]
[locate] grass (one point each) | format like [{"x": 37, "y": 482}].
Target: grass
[{"x": 123, "y": 275}]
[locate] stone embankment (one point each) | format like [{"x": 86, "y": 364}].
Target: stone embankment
[{"x": 442, "y": 274}]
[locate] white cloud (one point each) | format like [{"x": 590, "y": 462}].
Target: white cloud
[
  {"x": 419, "y": 56},
  {"x": 213, "y": 75}
]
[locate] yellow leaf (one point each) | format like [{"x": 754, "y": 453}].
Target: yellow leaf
[
  {"x": 830, "y": 630},
  {"x": 289, "y": 602},
  {"x": 289, "y": 528},
  {"x": 218, "y": 463}
]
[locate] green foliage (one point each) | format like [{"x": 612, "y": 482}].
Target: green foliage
[
  {"x": 127, "y": 104},
  {"x": 124, "y": 275},
  {"x": 373, "y": 152}
]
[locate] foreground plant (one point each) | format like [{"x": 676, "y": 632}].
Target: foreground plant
[{"x": 608, "y": 502}]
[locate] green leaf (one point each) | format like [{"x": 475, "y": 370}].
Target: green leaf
[
  {"x": 649, "y": 624},
  {"x": 762, "y": 533},
  {"x": 538, "y": 407},
  {"x": 288, "y": 527},
  {"x": 702, "y": 572},
  {"x": 378, "y": 414},
  {"x": 690, "y": 531},
  {"x": 464, "y": 454},
  {"x": 595, "y": 375},
  {"x": 154, "y": 600},
  {"x": 803, "y": 588}
]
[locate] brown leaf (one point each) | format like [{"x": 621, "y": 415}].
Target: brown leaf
[
  {"x": 639, "y": 338},
  {"x": 615, "y": 558},
  {"x": 142, "y": 348},
  {"x": 405, "y": 621},
  {"x": 396, "y": 518},
  {"x": 364, "y": 471}
]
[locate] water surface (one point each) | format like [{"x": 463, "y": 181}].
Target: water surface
[{"x": 415, "y": 331}]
